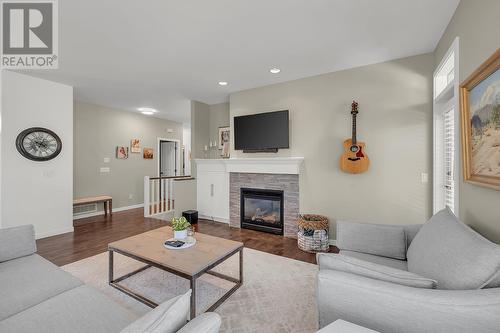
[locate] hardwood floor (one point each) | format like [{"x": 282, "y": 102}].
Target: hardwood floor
[{"x": 92, "y": 235}]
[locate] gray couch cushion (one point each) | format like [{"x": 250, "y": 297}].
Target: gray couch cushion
[
  {"x": 411, "y": 231},
  {"x": 394, "y": 263},
  {"x": 79, "y": 310},
  {"x": 167, "y": 317},
  {"x": 388, "y": 307},
  {"x": 374, "y": 271},
  {"x": 378, "y": 239},
  {"x": 28, "y": 281},
  {"x": 494, "y": 282},
  {"x": 17, "y": 242},
  {"x": 450, "y": 252}
]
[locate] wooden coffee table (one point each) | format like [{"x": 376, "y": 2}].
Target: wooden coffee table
[{"x": 190, "y": 263}]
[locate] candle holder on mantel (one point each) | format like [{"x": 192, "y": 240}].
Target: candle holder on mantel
[{"x": 210, "y": 150}]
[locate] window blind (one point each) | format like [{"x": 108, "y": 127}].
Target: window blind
[{"x": 449, "y": 158}]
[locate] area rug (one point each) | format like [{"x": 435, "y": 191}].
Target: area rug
[{"x": 277, "y": 293}]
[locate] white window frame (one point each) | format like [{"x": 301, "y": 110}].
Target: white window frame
[{"x": 447, "y": 99}]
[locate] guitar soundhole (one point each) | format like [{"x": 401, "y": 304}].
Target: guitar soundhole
[{"x": 354, "y": 149}]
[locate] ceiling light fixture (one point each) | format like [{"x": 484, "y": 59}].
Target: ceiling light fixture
[
  {"x": 222, "y": 83},
  {"x": 147, "y": 111},
  {"x": 275, "y": 70}
]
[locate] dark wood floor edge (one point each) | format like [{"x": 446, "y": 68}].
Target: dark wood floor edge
[
  {"x": 116, "y": 211},
  {"x": 93, "y": 237}
]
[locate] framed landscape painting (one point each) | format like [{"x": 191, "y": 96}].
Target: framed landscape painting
[{"x": 480, "y": 114}]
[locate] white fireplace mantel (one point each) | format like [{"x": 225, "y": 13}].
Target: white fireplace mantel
[
  {"x": 271, "y": 165},
  {"x": 213, "y": 180}
]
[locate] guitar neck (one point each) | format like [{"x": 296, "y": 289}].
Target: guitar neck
[{"x": 354, "y": 129}]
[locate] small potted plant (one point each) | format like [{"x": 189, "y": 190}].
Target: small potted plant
[{"x": 180, "y": 226}]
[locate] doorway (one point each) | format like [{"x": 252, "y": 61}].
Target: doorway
[{"x": 168, "y": 158}]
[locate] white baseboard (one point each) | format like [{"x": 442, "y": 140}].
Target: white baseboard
[
  {"x": 214, "y": 218},
  {"x": 54, "y": 232},
  {"x": 101, "y": 212},
  {"x": 333, "y": 242}
]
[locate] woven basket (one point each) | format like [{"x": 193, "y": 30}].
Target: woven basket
[{"x": 313, "y": 233}]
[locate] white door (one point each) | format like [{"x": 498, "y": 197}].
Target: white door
[
  {"x": 168, "y": 156},
  {"x": 446, "y": 132}
]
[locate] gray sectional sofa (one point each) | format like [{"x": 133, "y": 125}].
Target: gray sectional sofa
[
  {"x": 438, "y": 277},
  {"x": 37, "y": 296}
]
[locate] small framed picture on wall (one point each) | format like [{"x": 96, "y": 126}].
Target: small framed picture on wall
[
  {"x": 148, "y": 153},
  {"x": 224, "y": 137},
  {"x": 135, "y": 146},
  {"x": 121, "y": 152}
]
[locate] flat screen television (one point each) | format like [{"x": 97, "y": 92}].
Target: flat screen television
[{"x": 262, "y": 132}]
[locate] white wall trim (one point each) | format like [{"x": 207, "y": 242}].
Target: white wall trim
[
  {"x": 333, "y": 242},
  {"x": 101, "y": 212},
  {"x": 53, "y": 233}
]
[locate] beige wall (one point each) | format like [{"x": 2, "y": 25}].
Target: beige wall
[
  {"x": 395, "y": 121},
  {"x": 205, "y": 122},
  {"x": 200, "y": 129},
  {"x": 97, "y": 132},
  {"x": 219, "y": 117},
  {"x": 477, "y": 24}
]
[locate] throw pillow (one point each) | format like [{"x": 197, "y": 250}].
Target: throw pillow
[
  {"x": 167, "y": 317},
  {"x": 450, "y": 252}
]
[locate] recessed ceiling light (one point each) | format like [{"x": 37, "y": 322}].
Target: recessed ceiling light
[
  {"x": 147, "y": 111},
  {"x": 275, "y": 70},
  {"x": 222, "y": 83}
]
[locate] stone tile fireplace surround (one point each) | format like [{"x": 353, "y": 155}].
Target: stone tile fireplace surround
[
  {"x": 219, "y": 183},
  {"x": 289, "y": 184}
]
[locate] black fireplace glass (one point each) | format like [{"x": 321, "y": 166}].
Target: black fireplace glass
[{"x": 262, "y": 210}]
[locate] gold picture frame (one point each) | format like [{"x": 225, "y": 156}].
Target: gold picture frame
[{"x": 480, "y": 124}]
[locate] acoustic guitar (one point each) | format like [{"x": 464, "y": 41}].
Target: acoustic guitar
[{"x": 354, "y": 159}]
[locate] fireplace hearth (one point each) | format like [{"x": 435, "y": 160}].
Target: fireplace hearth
[{"x": 262, "y": 210}]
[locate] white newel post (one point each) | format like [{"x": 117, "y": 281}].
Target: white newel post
[
  {"x": 147, "y": 204},
  {"x": 172, "y": 197}
]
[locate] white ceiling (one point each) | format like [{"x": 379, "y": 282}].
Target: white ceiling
[{"x": 163, "y": 53}]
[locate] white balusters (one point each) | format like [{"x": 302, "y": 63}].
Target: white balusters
[{"x": 158, "y": 195}]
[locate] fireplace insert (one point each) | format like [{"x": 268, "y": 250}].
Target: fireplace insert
[{"x": 262, "y": 210}]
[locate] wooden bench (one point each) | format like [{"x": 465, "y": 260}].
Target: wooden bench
[{"x": 106, "y": 199}]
